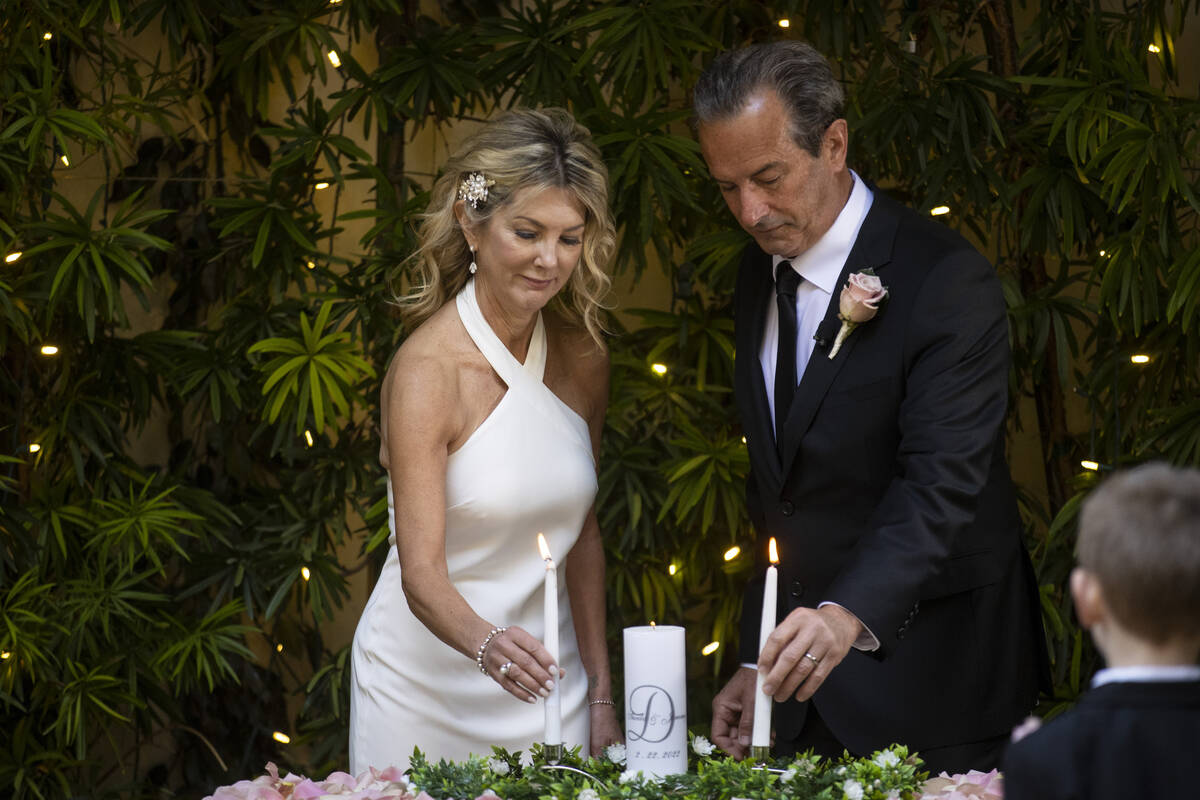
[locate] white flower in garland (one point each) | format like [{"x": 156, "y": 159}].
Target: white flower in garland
[
  {"x": 853, "y": 790},
  {"x": 886, "y": 758},
  {"x": 788, "y": 775},
  {"x": 498, "y": 765},
  {"x": 615, "y": 753},
  {"x": 630, "y": 776},
  {"x": 587, "y": 794},
  {"x": 703, "y": 746}
]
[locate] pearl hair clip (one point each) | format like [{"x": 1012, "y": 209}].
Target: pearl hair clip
[{"x": 474, "y": 189}]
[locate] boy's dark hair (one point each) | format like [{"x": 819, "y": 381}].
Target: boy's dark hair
[{"x": 1139, "y": 534}]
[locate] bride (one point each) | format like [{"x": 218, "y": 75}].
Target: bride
[{"x": 491, "y": 416}]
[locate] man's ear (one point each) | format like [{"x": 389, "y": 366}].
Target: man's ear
[
  {"x": 836, "y": 142},
  {"x": 1088, "y": 595}
]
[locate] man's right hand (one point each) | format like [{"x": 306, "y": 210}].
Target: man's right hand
[{"x": 733, "y": 713}]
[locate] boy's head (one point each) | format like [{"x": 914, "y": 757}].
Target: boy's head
[{"x": 1139, "y": 549}]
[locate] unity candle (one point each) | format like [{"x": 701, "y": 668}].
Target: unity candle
[
  {"x": 553, "y": 732},
  {"x": 760, "y": 740},
  {"x": 655, "y": 700}
]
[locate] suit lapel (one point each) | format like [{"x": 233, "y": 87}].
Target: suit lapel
[
  {"x": 872, "y": 248},
  {"x": 756, "y": 413}
]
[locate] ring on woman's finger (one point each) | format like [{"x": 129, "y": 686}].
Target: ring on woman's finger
[
  {"x": 812, "y": 658},
  {"x": 505, "y": 667}
]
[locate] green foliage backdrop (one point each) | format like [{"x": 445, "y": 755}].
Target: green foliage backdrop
[{"x": 155, "y": 618}]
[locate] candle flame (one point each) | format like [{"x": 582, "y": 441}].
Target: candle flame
[
  {"x": 773, "y": 549},
  {"x": 544, "y": 549}
]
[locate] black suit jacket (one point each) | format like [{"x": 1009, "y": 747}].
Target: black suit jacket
[
  {"x": 893, "y": 498},
  {"x": 1122, "y": 741}
]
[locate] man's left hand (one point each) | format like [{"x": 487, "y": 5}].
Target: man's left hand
[{"x": 804, "y": 649}]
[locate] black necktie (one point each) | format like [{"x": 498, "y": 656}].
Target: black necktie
[{"x": 786, "y": 281}]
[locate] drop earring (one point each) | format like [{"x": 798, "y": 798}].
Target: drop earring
[{"x": 472, "y": 269}]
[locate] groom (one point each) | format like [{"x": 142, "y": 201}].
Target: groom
[{"x": 907, "y": 604}]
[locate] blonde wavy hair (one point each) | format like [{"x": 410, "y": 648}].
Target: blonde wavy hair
[{"x": 521, "y": 149}]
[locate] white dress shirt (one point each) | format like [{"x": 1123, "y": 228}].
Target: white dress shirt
[{"x": 820, "y": 266}]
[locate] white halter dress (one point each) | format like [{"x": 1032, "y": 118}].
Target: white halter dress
[{"x": 527, "y": 468}]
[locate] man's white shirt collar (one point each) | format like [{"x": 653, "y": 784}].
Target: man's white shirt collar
[{"x": 1147, "y": 674}]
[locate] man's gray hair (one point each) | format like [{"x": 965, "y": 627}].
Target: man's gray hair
[{"x": 799, "y": 75}]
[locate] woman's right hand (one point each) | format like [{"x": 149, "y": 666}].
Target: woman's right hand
[{"x": 529, "y": 673}]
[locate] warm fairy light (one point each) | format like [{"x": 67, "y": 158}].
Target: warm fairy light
[
  {"x": 66, "y": 161},
  {"x": 1092, "y": 465},
  {"x": 1140, "y": 358},
  {"x": 710, "y": 648},
  {"x": 49, "y": 350},
  {"x": 321, "y": 185},
  {"x": 732, "y": 553},
  {"x": 743, "y": 440},
  {"x": 281, "y": 737},
  {"x": 652, "y": 624},
  {"x": 5, "y": 656},
  {"x": 773, "y": 551},
  {"x": 785, "y": 23},
  {"x": 308, "y": 438},
  {"x": 671, "y": 570},
  {"x": 1153, "y": 48},
  {"x": 35, "y": 447},
  {"x": 279, "y": 647},
  {"x": 311, "y": 264},
  {"x": 937, "y": 211},
  {"x": 1103, "y": 253},
  {"x": 12, "y": 257},
  {"x": 305, "y": 573},
  {"x": 658, "y": 369},
  {"x": 47, "y": 36},
  {"x": 334, "y": 2},
  {"x": 334, "y": 58}
]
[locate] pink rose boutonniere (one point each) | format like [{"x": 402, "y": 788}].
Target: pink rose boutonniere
[{"x": 858, "y": 303}]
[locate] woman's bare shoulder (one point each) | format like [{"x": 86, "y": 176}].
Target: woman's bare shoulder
[{"x": 582, "y": 361}]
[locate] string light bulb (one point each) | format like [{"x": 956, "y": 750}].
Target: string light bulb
[
  {"x": 732, "y": 553},
  {"x": 279, "y": 647},
  {"x": 334, "y": 58},
  {"x": 49, "y": 350},
  {"x": 1103, "y": 253},
  {"x": 710, "y": 648},
  {"x": 1140, "y": 358},
  {"x": 672, "y": 569},
  {"x": 308, "y": 438},
  {"x": 659, "y": 369},
  {"x": 281, "y": 737},
  {"x": 35, "y": 448},
  {"x": 65, "y": 161},
  {"x": 5, "y": 655},
  {"x": 47, "y": 36},
  {"x": 1154, "y": 48},
  {"x": 1092, "y": 465},
  {"x": 305, "y": 573},
  {"x": 12, "y": 257},
  {"x": 938, "y": 211},
  {"x": 311, "y": 264},
  {"x": 785, "y": 23},
  {"x": 319, "y": 185}
]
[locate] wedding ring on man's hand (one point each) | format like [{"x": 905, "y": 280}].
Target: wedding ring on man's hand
[
  {"x": 505, "y": 667},
  {"x": 812, "y": 658}
]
